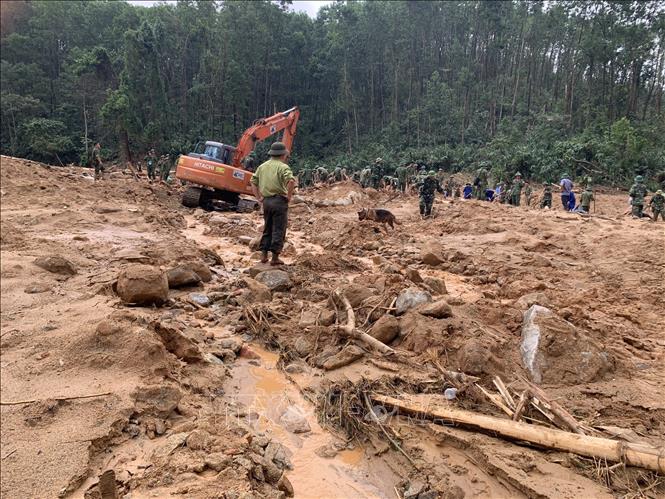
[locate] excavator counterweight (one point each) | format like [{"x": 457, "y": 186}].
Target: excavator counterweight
[{"x": 217, "y": 169}]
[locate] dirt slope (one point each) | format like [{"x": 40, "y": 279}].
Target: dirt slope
[{"x": 214, "y": 427}]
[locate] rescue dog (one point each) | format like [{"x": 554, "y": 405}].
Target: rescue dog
[{"x": 378, "y": 215}]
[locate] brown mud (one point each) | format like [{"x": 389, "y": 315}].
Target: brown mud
[{"x": 90, "y": 384}]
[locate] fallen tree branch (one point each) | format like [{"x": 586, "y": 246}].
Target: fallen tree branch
[
  {"x": 21, "y": 402},
  {"x": 525, "y": 397},
  {"x": 644, "y": 456},
  {"x": 349, "y": 329},
  {"x": 568, "y": 420}
]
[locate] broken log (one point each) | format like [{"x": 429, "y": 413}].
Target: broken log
[
  {"x": 554, "y": 407},
  {"x": 349, "y": 329},
  {"x": 644, "y": 456},
  {"x": 525, "y": 397}
]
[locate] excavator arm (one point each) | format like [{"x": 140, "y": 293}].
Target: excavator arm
[{"x": 264, "y": 128}]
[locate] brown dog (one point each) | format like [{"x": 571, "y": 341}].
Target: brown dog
[{"x": 378, "y": 215}]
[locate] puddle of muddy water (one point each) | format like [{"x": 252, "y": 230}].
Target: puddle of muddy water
[{"x": 266, "y": 392}]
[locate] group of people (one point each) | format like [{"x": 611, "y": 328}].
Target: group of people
[{"x": 157, "y": 168}]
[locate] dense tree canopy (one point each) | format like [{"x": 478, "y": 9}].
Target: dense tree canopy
[{"x": 537, "y": 86}]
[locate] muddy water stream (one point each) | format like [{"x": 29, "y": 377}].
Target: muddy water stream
[{"x": 267, "y": 393}]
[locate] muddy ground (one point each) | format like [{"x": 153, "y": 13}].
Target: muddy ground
[{"x": 229, "y": 389}]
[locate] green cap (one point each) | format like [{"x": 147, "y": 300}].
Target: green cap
[
  {"x": 431, "y": 173},
  {"x": 659, "y": 192},
  {"x": 518, "y": 174},
  {"x": 565, "y": 175},
  {"x": 639, "y": 178},
  {"x": 278, "y": 149}
]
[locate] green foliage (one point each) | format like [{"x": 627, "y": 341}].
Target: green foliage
[{"x": 529, "y": 86}]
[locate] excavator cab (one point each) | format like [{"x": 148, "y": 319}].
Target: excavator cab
[{"x": 213, "y": 151}]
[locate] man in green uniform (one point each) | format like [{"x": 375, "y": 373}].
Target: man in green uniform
[
  {"x": 365, "y": 176},
  {"x": 528, "y": 192},
  {"x": 322, "y": 174},
  {"x": 377, "y": 173},
  {"x": 481, "y": 183},
  {"x": 164, "y": 167},
  {"x": 150, "y": 163},
  {"x": 273, "y": 184},
  {"x": 585, "y": 200},
  {"x": 402, "y": 173},
  {"x": 657, "y": 205},
  {"x": 637, "y": 193},
  {"x": 516, "y": 189},
  {"x": 547, "y": 195},
  {"x": 428, "y": 187},
  {"x": 97, "y": 160},
  {"x": 336, "y": 174},
  {"x": 450, "y": 187}
]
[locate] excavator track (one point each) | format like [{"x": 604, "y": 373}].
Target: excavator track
[{"x": 191, "y": 198}]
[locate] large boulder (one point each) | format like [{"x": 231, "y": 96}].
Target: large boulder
[
  {"x": 554, "y": 351},
  {"x": 142, "y": 285},
  {"x": 432, "y": 254},
  {"x": 295, "y": 420},
  {"x": 177, "y": 343},
  {"x": 200, "y": 268},
  {"x": 410, "y": 298},
  {"x": 180, "y": 276},
  {"x": 275, "y": 280},
  {"x": 385, "y": 329},
  {"x": 56, "y": 264}
]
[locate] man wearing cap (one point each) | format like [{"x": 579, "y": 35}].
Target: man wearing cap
[
  {"x": 273, "y": 184},
  {"x": 657, "y": 205},
  {"x": 516, "y": 190},
  {"x": 429, "y": 186},
  {"x": 637, "y": 193}
]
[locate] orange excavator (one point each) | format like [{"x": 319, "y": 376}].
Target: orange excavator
[{"x": 217, "y": 170}]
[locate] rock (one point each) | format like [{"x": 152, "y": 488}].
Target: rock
[
  {"x": 385, "y": 329},
  {"x": 142, "y": 285},
  {"x": 257, "y": 291},
  {"x": 275, "y": 280},
  {"x": 346, "y": 356},
  {"x": 217, "y": 461},
  {"x": 258, "y": 268},
  {"x": 171, "y": 443},
  {"x": 526, "y": 301},
  {"x": 415, "y": 487},
  {"x": 131, "y": 255},
  {"x": 413, "y": 275},
  {"x": 278, "y": 454},
  {"x": 554, "y": 351},
  {"x": 257, "y": 473},
  {"x": 254, "y": 243},
  {"x": 321, "y": 357},
  {"x": 108, "y": 328},
  {"x": 177, "y": 343},
  {"x": 180, "y": 276},
  {"x": 303, "y": 347},
  {"x": 474, "y": 357},
  {"x": 199, "y": 440},
  {"x": 438, "y": 286},
  {"x": 285, "y": 486},
  {"x": 317, "y": 317},
  {"x": 248, "y": 353},
  {"x": 158, "y": 400},
  {"x": 245, "y": 240},
  {"x": 439, "y": 310},
  {"x": 410, "y": 298},
  {"x": 294, "y": 420},
  {"x": 200, "y": 299},
  {"x": 294, "y": 368},
  {"x": 432, "y": 254},
  {"x": 38, "y": 287},
  {"x": 271, "y": 472},
  {"x": 56, "y": 264},
  {"x": 227, "y": 356},
  {"x": 200, "y": 268},
  {"x": 356, "y": 294},
  {"x": 106, "y": 208},
  {"x": 233, "y": 344}
]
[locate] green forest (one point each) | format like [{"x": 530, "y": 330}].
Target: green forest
[{"x": 537, "y": 87}]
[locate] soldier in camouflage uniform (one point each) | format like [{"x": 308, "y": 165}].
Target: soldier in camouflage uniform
[
  {"x": 97, "y": 161},
  {"x": 585, "y": 200},
  {"x": 402, "y": 173},
  {"x": 305, "y": 179},
  {"x": 337, "y": 174},
  {"x": 450, "y": 187},
  {"x": 637, "y": 193},
  {"x": 365, "y": 176},
  {"x": 150, "y": 163},
  {"x": 428, "y": 187},
  {"x": 322, "y": 174},
  {"x": 164, "y": 167},
  {"x": 516, "y": 190},
  {"x": 528, "y": 192},
  {"x": 377, "y": 173},
  {"x": 657, "y": 205},
  {"x": 547, "y": 196},
  {"x": 481, "y": 183}
]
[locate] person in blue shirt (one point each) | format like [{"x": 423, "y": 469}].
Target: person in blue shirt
[
  {"x": 468, "y": 191},
  {"x": 566, "y": 191}
]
